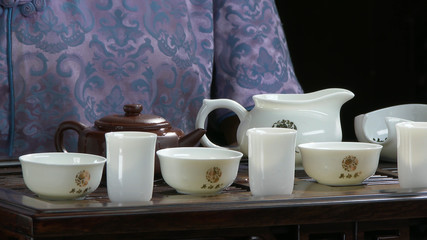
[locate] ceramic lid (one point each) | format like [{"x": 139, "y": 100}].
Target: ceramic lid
[{"x": 132, "y": 120}]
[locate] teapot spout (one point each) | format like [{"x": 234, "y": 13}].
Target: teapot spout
[{"x": 192, "y": 138}]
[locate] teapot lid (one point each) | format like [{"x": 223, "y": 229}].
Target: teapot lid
[{"x": 132, "y": 120}]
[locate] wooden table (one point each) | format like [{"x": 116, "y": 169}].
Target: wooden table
[{"x": 378, "y": 208}]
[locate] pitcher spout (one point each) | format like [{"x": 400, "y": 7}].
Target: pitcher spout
[
  {"x": 331, "y": 98},
  {"x": 340, "y": 95}
]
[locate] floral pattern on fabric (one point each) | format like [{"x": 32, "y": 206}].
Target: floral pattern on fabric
[
  {"x": 82, "y": 60},
  {"x": 251, "y": 51}
]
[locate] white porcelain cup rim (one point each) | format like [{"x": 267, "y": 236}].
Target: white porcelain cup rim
[
  {"x": 271, "y": 130},
  {"x": 333, "y": 146},
  {"x": 130, "y": 134},
  {"x": 198, "y": 153},
  {"x": 52, "y": 158},
  {"x": 412, "y": 125}
]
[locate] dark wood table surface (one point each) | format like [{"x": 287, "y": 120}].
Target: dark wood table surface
[{"x": 377, "y": 207}]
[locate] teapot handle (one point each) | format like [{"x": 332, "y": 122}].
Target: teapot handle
[
  {"x": 64, "y": 126},
  {"x": 211, "y": 104}
]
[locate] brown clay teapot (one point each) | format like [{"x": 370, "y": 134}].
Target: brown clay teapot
[{"x": 92, "y": 139}]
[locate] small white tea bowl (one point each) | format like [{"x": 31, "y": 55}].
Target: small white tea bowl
[
  {"x": 62, "y": 176},
  {"x": 340, "y": 163},
  {"x": 199, "y": 170}
]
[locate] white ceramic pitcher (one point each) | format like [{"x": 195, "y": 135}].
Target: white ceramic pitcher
[{"x": 315, "y": 116}]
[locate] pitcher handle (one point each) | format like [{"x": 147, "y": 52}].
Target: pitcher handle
[
  {"x": 211, "y": 104},
  {"x": 64, "y": 126}
]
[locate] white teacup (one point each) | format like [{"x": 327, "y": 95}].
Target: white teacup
[
  {"x": 340, "y": 163},
  {"x": 62, "y": 176},
  {"x": 412, "y": 154},
  {"x": 271, "y": 160},
  {"x": 199, "y": 170},
  {"x": 130, "y": 165}
]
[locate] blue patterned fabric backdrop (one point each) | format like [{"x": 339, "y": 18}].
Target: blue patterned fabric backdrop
[{"x": 81, "y": 60}]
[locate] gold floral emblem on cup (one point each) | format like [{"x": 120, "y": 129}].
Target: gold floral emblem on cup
[
  {"x": 349, "y": 164},
  {"x": 82, "y": 178},
  {"x": 213, "y": 174}
]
